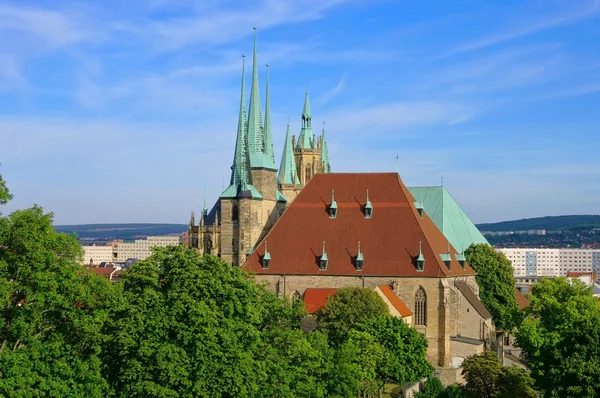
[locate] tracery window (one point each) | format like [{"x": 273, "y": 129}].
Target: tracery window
[
  {"x": 308, "y": 173},
  {"x": 420, "y": 308},
  {"x": 235, "y": 213}
]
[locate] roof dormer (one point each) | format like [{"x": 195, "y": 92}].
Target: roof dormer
[
  {"x": 368, "y": 207},
  {"x": 323, "y": 260},
  {"x": 333, "y": 208},
  {"x": 360, "y": 260}
]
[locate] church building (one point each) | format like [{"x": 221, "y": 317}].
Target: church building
[
  {"x": 368, "y": 230},
  {"x": 258, "y": 192}
]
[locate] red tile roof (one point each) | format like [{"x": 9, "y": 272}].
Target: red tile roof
[
  {"x": 389, "y": 239},
  {"x": 574, "y": 274},
  {"x": 316, "y": 298},
  {"x": 395, "y": 300},
  {"x": 522, "y": 300}
]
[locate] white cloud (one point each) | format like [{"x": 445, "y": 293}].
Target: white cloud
[{"x": 395, "y": 117}]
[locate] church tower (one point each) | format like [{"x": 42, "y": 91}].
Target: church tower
[
  {"x": 257, "y": 195},
  {"x": 251, "y": 204},
  {"x": 310, "y": 152}
]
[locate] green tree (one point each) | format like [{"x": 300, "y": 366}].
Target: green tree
[
  {"x": 496, "y": 284},
  {"x": 5, "y": 195},
  {"x": 560, "y": 338},
  {"x": 192, "y": 326},
  {"x": 432, "y": 388},
  {"x": 486, "y": 378},
  {"x": 347, "y": 307},
  {"x": 405, "y": 350},
  {"x": 52, "y": 312}
]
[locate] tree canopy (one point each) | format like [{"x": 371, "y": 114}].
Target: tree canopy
[
  {"x": 347, "y": 307},
  {"x": 53, "y": 312},
  {"x": 5, "y": 195},
  {"x": 496, "y": 285},
  {"x": 560, "y": 338},
  {"x": 485, "y": 377}
]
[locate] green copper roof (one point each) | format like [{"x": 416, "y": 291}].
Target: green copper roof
[
  {"x": 287, "y": 169},
  {"x": 240, "y": 184},
  {"x": 306, "y": 110},
  {"x": 280, "y": 197},
  {"x": 256, "y": 138},
  {"x": 359, "y": 256},
  {"x": 306, "y": 138},
  {"x": 268, "y": 136},
  {"x": 325, "y": 154},
  {"x": 448, "y": 216}
]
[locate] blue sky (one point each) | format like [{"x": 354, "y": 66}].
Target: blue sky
[{"x": 125, "y": 111}]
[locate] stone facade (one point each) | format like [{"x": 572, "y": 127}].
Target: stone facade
[{"x": 448, "y": 313}]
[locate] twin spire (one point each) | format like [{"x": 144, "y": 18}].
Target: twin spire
[{"x": 254, "y": 141}]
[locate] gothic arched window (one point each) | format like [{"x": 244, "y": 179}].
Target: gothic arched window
[
  {"x": 308, "y": 173},
  {"x": 235, "y": 213},
  {"x": 208, "y": 244},
  {"x": 420, "y": 307}
]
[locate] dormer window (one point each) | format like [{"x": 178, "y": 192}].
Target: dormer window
[
  {"x": 420, "y": 260},
  {"x": 419, "y": 207},
  {"x": 333, "y": 208},
  {"x": 323, "y": 260},
  {"x": 462, "y": 260},
  {"x": 368, "y": 207},
  {"x": 266, "y": 260},
  {"x": 360, "y": 260},
  {"x": 446, "y": 257}
]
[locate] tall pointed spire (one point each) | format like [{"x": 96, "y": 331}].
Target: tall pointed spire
[
  {"x": 241, "y": 179},
  {"x": 306, "y": 110},
  {"x": 255, "y": 127},
  {"x": 306, "y": 138},
  {"x": 287, "y": 170},
  {"x": 267, "y": 134},
  {"x": 324, "y": 152}
]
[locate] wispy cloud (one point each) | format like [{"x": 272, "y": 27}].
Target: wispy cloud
[
  {"x": 590, "y": 9},
  {"x": 332, "y": 93},
  {"x": 395, "y": 117}
]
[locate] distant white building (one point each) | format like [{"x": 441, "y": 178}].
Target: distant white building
[
  {"x": 120, "y": 251},
  {"x": 551, "y": 262}
]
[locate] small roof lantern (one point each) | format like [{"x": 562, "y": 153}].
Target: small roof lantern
[{"x": 323, "y": 260}]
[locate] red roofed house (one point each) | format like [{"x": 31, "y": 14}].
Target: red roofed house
[
  {"x": 314, "y": 299},
  {"x": 367, "y": 230}
]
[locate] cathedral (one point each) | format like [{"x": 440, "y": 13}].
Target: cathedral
[
  {"x": 305, "y": 232},
  {"x": 258, "y": 193}
]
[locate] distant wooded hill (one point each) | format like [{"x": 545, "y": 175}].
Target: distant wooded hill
[
  {"x": 550, "y": 223},
  {"x": 121, "y": 231}
]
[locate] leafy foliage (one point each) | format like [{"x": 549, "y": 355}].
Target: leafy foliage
[
  {"x": 53, "y": 312},
  {"x": 5, "y": 195},
  {"x": 486, "y": 378},
  {"x": 432, "y": 388},
  {"x": 371, "y": 348},
  {"x": 496, "y": 284},
  {"x": 346, "y": 308},
  {"x": 192, "y": 326},
  {"x": 560, "y": 337}
]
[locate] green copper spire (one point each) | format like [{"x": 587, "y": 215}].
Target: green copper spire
[
  {"x": 306, "y": 138},
  {"x": 287, "y": 170},
  {"x": 255, "y": 128},
  {"x": 268, "y": 136},
  {"x": 324, "y": 152},
  {"x": 241, "y": 179}
]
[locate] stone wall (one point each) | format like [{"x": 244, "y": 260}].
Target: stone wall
[{"x": 444, "y": 314}]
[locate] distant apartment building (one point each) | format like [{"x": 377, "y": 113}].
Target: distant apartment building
[
  {"x": 551, "y": 262},
  {"x": 120, "y": 251},
  {"x": 524, "y": 232}
]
